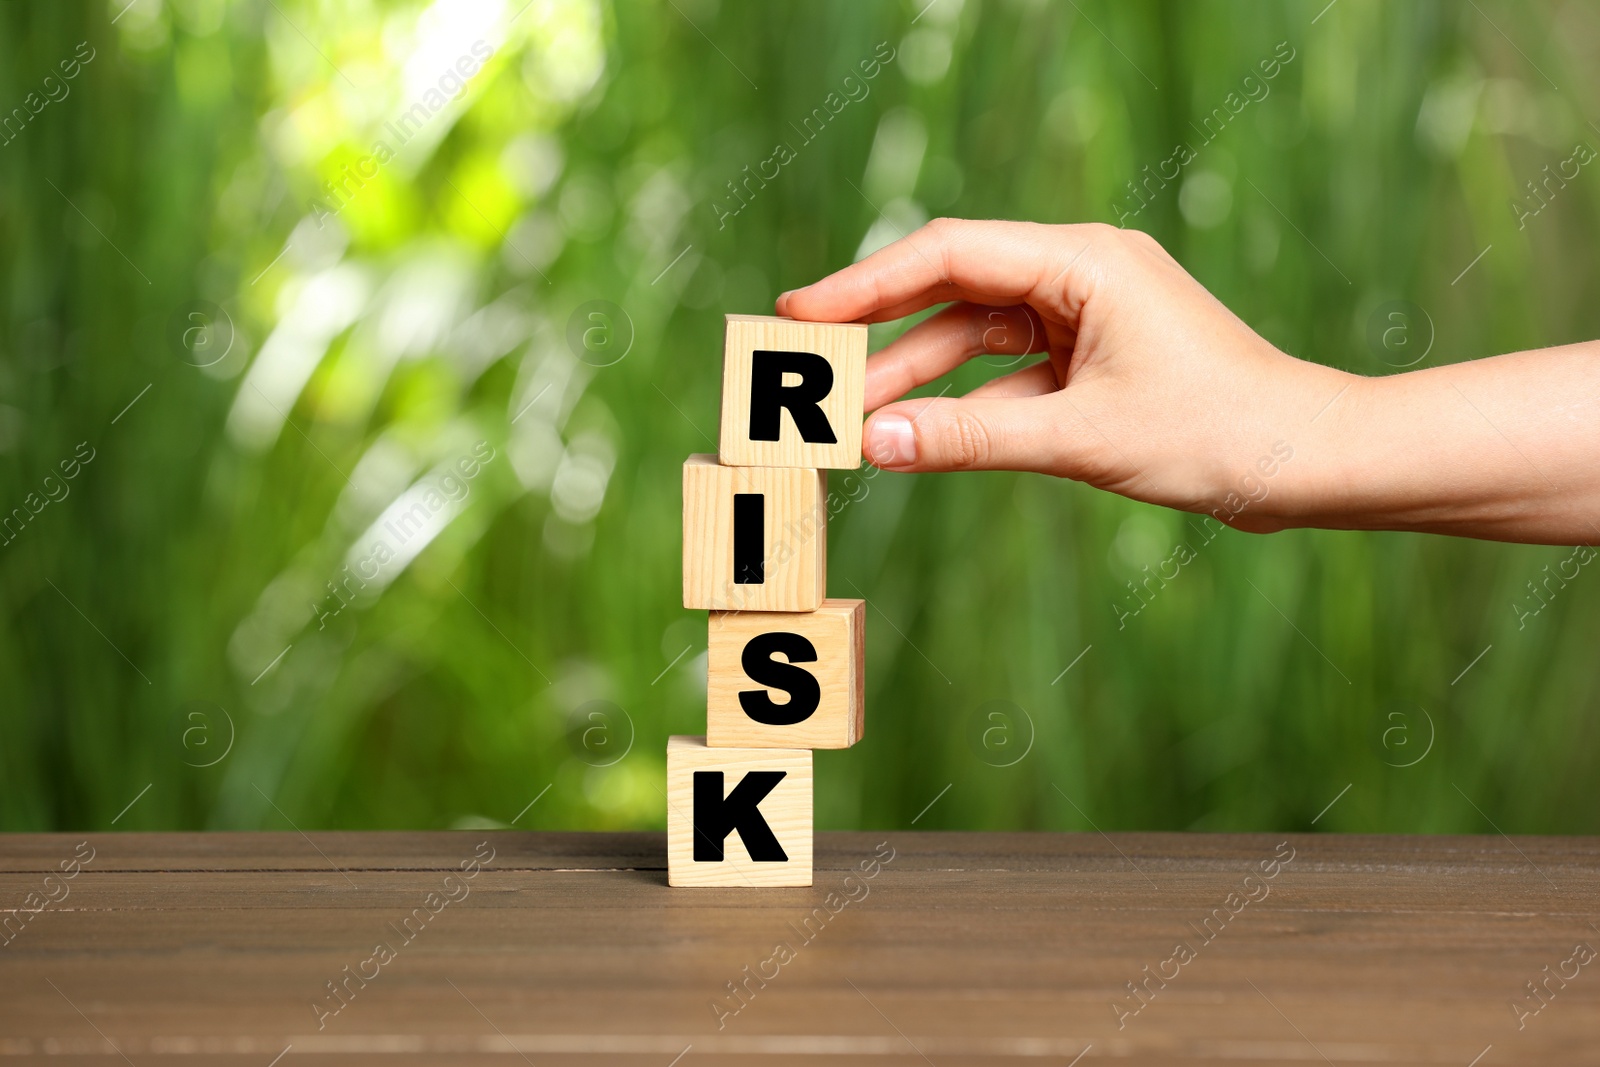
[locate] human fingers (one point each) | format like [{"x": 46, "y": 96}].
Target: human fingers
[
  {"x": 987, "y": 262},
  {"x": 1036, "y": 379},
  {"x": 944, "y": 341},
  {"x": 964, "y": 433}
]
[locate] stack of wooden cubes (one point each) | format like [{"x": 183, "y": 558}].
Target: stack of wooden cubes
[{"x": 786, "y": 666}]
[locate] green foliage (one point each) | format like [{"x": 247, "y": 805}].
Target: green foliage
[{"x": 182, "y": 616}]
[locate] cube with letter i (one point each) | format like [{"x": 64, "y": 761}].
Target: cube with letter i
[
  {"x": 754, "y": 538},
  {"x": 737, "y": 816},
  {"x": 792, "y": 393}
]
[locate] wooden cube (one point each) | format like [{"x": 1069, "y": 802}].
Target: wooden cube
[
  {"x": 754, "y": 538},
  {"x": 792, "y": 393},
  {"x": 785, "y": 680},
  {"x": 737, "y": 816}
]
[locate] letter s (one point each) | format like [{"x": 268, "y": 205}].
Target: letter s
[{"x": 805, "y": 694}]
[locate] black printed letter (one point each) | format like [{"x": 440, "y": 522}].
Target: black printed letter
[
  {"x": 801, "y": 685},
  {"x": 715, "y": 817},
  {"x": 769, "y": 396},
  {"x": 749, "y": 539}
]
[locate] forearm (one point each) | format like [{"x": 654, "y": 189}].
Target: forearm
[{"x": 1505, "y": 448}]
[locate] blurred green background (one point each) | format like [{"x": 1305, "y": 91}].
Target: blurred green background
[{"x": 256, "y": 340}]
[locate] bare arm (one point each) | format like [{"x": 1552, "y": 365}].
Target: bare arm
[
  {"x": 1506, "y": 448},
  {"x": 1152, "y": 389}
]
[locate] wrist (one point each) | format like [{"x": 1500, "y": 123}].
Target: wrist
[
  {"x": 1395, "y": 453},
  {"x": 1290, "y": 465},
  {"x": 1332, "y": 475}
]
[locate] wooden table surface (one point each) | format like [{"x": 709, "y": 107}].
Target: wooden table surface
[{"x": 944, "y": 949}]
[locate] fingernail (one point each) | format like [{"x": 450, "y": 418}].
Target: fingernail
[{"x": 891, "y": 441}]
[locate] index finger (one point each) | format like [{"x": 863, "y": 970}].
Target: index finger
[{"x": 985, "y": 262}]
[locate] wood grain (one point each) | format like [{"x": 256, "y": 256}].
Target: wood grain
[
  {"x": 795, "y": 514},
  {"x": 788, "y": 810},
  {"x": 836, "y": 630},
  {"x": 843, "y": 345},
  {"x": 965, "y": 949}
]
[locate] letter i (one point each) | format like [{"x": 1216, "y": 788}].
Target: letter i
[{"x": 749, "y": 539}]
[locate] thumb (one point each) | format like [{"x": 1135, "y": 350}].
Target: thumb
[{"x": 960, "y": 433}]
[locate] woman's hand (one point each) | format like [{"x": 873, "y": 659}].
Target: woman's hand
[{"x": 1151, "y": 388}]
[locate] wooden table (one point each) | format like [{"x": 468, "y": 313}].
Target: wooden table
[{"x": 947, "y": 948}]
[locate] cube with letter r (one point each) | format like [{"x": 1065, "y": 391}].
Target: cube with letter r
[{"x": 792, "y": 393}]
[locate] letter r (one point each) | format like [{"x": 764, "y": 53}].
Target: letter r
[{"x": 769, "y": 397}]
